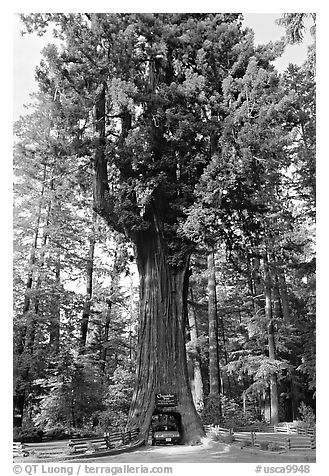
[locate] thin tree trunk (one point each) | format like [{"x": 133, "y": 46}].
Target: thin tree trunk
[
  {"x": 25, "y": 347},
  {"x": 106, "y": 336},
  {"x": 32, "y": 261},
  {"x": 222, "y": 329},
  {"x": 161, "y": 355},
  {"x": 196, "y": 364},
  {"x": 271, "y": 342},
  {"x": 54, "y": 332},
  {"x": 113, "y": 276},
  {"x": 284, "y": 296},
  {"x": 33, "y": 318},
  {"x": 276, "y": 299},
  {"x": 214, "y": 382},
  {"x": 258, "y": 291},
  {"x": 89, "y": 287}
]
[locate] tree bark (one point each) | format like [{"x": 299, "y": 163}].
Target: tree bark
[
  {"x": 26, "y": 344},
  {"x": 222, "y": 332},
  {"x": 103, "y": 353},
  {"x": 271, "y": 342},
  {"x": 214, "y": 381},
  {"x": 33, "y": 316},
  {"x": 196, "y": 365},
  {"x": 276, "y": 299},
  {"x": 89, "y": 287},
  {"x": 54, "y": 331},
  {"x": 258, "y": 291},
  {"x": 284, "y": 296},
  {"x": 161, "y": 355},
  {"x": 32, "y": 261}
]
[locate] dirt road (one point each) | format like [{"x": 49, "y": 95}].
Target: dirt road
[{"x": 210, "y": 452}]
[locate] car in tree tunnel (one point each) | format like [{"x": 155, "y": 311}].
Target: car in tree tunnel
[{"x": 165, "y": 434}]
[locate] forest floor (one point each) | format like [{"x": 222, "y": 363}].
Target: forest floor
[{"x": 209, "y": 452}]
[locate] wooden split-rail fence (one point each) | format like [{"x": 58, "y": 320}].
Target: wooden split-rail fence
[
  {"x": 19, "y": 449},
  {"x": 284, "y": 438},
  {"x": 108, "y": 441},
  {"x": 50, "y": 449}
]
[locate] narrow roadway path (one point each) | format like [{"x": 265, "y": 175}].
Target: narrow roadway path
[{"x": 212, "y": 452}]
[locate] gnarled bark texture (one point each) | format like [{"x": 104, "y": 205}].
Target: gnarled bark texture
[{"x": 161, "y": 356}]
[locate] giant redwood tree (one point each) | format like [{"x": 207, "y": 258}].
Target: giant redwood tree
[{"x": 142, "y": 94}]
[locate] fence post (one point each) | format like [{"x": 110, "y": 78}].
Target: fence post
[
  {"x": 252, "y": 434},
  {"x": 107, "y": 439},
  {"x": 287, "y": 444},
  {"x": 231, "y": 432},
  {"x": 313, "y": 445}
]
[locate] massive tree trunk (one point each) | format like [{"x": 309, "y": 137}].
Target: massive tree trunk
[
  {"x": 161, "y": 356},
  {"x": 214, "y": 381}
]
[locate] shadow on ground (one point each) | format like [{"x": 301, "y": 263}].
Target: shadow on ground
[{"x": 209, "y": 452}]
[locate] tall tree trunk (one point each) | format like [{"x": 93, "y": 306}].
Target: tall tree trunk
[
  {"x": 214, "y": 381},
  {"x": 108, "y": 315},
  {"x": 271, "y": 342},
  {"x": 258, "y": 291},
  {"x": 89, "y": 287},
  {"x": 54, "y": 332},
  {"x": 196, "y": 364},
  {"x": 19, "y": 397},
  {"x": 26, "y": 345},
  {"x": 161, "y": 355},
  {"x": 285, "y": 307},
  {"x": 222, "y": 332},
  {"x": 32, "y": 260},
  {"x": 276, "y": 298},
  {"x": 106, "y": 336},
  {"x": 284, "y": 296},
  {"x": 33, "y": 316}
]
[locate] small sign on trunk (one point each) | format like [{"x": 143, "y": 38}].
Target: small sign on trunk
[{"x": 166, "y": 399}]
